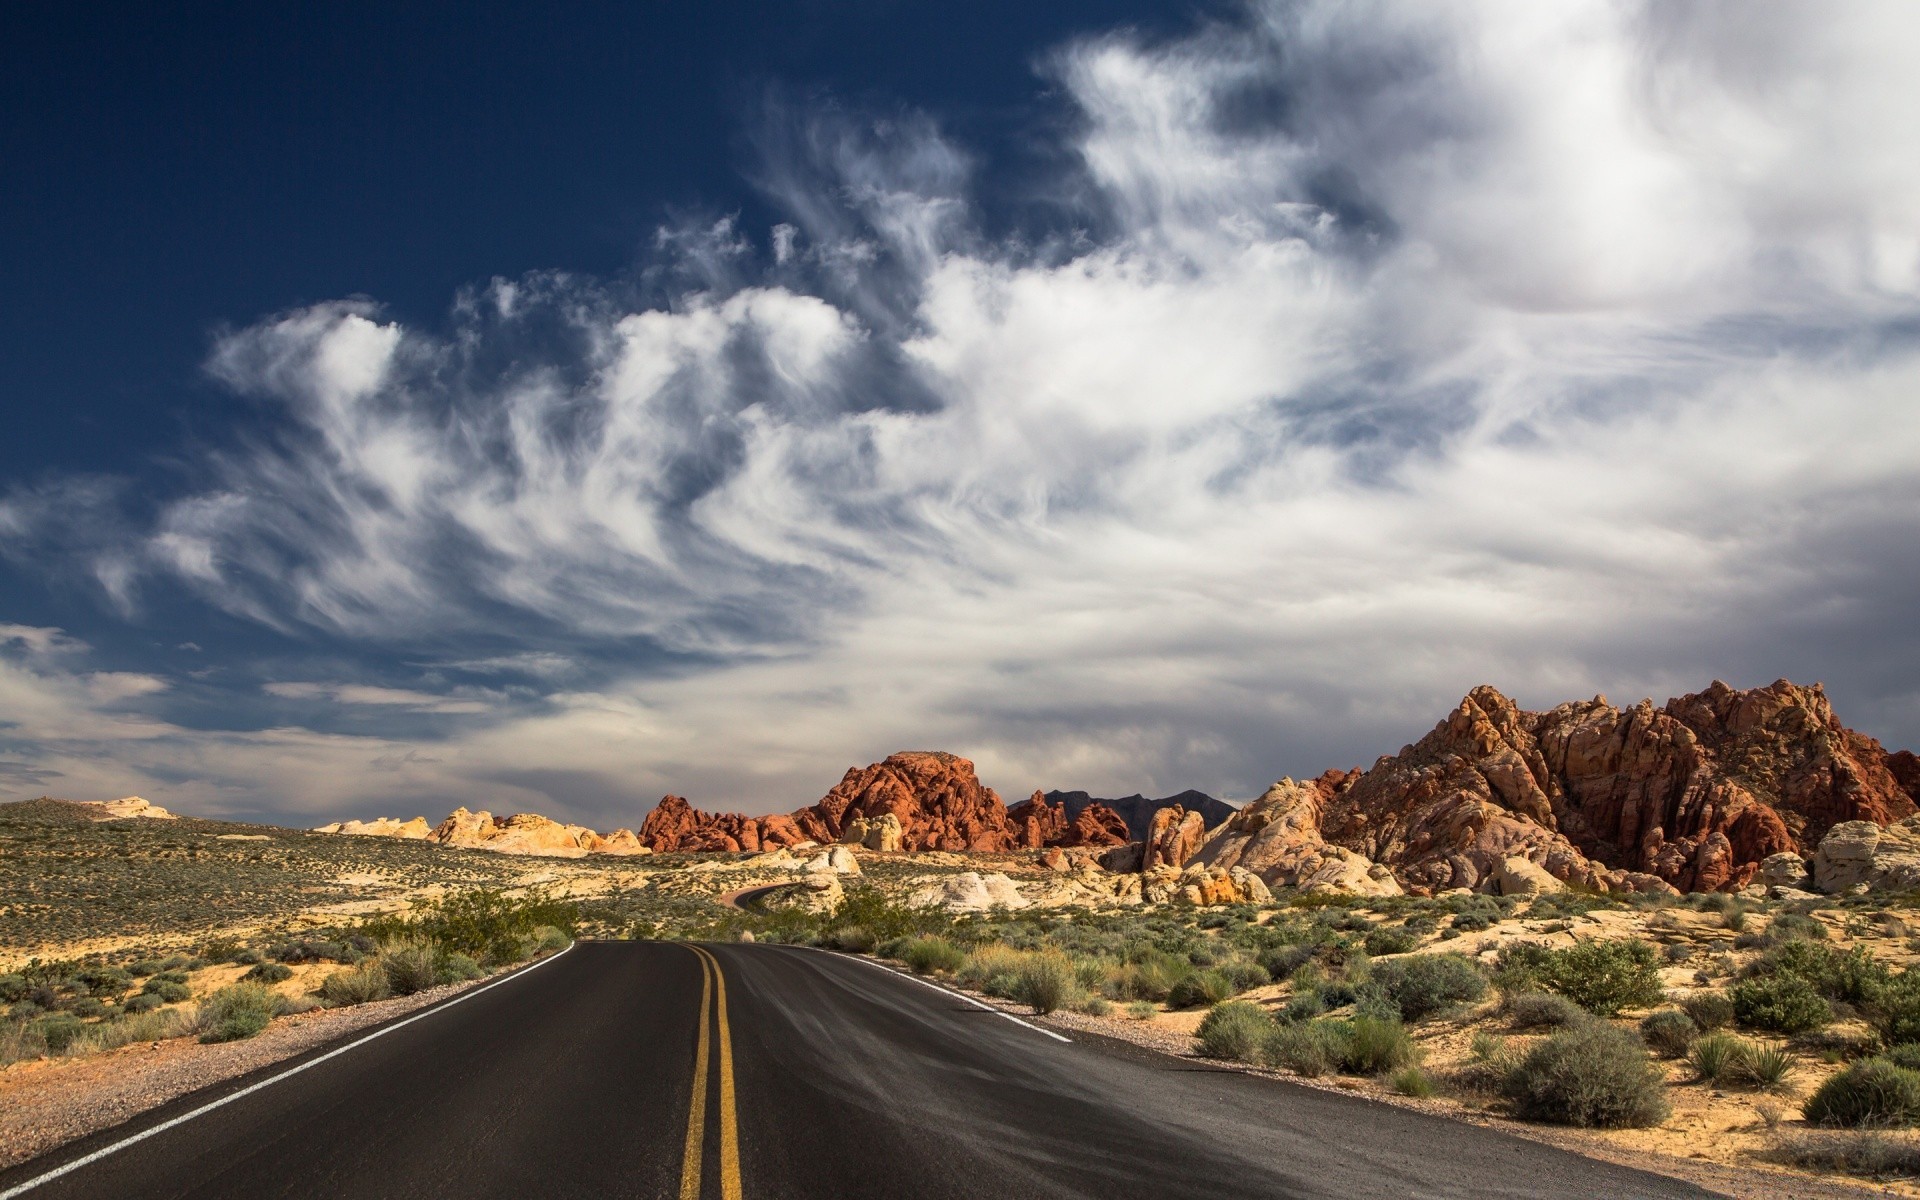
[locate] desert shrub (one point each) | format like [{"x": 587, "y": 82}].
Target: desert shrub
[
  {"x": 234, "y": 1012},
  {"x": 1854, "y": 977},
  {"x": 1149, "y": 976},
  {"x": 410, "y": 967},
  {"x": 1424, "y": 984},
  {"x": 1384, "y": 941},
  {"x": 1709, "y": 1010},
  {"x": 310, "y": 951},
  {"x": 987, "y": 963},
  {"x": 105, "y": 982},
  {"x": 1712, "y": 1056},
  {"x": 1762, "y": 1066},
  {"x": 457, "y": 968},
  {"x": 485, "y": 924},
  {"x": 1201, "y": 987},
  {"x": 88, "y": 1007},
  {"x": 1233, "y": 1029},
  {"x": 14, "y": 988},
  {"x": 1895, "y": 1012},
  {"x": 143, "y": 968},
  {"x": 168, "y": 990},
  {"x": 269, "y": 972},
  {"x": 1591, "y": 1075},
  {"x": 1244, "y": 975},
  {"x": 852, "y": 939},
  {"x": 1541, "y": 1010},
  {"x": 356, "y": 985},
  {"x": 1303, "y": 1007},
  {"x": 547, "y": 939},
  {"x": 1335, "y": 993},
  {"x": 1788, "y": 926},
  {"x": 928, "y": 954},
  {"x": 1906, "y": 1054},
  {"x": 1375, "y": 1045},
  {"x": 1044, "y": 982},
  {"x": 1604, "y": 977},
  {"x": 1282, "y": 961},
  {"x": 1781, "y": 1003},
  {"x": 1142, "y": 1010},
  {"x": 1865, "y": 1152},
  {"x": 1414, "y": 1082},
  {"x": 1871, "y": 1092},
  {"x": 1096, "y": 1006},
  {"x": 144, "y": 1002},
  {"x": 1311, "y": 1048},
  {"x": 1669, "y": 1032},
  {"x": 58, "y": 1031}
]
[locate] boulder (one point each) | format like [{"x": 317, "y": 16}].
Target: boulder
[
  {"x": 380, "y": 827},
  {"x": 968, "y": 891},
  {"x": 1785, "y": 869},
  {"x": 820, "y": 892},
  {"x": 1516, "y": 876},
  {"x": 881, "y": 833},
  {"x": 837, "y": 860},
  {"x": 1859, "y": 854}
]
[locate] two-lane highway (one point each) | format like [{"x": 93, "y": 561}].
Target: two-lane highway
[{"x": 747, "y": 1072}]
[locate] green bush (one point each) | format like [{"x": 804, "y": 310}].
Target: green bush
[
  {"x": 14, "y": 988},
  {"x": 1762, "y": 1066},
  {"x": 144, "y": 1002},
  {"x": 168, "y": 990},
  {"x": 1541, "y": 1010},
  {"x": 1044, "y": 982},
  {"x": 1896, "y": 1010},
  {"x": 1669, "y": 1032},
  {"x": 1233, "y": 1029},
  {"x": 1384, "y": 941},
  {"x": 1906, "y": 1054},
  {"x": 1781, "y": 1003},
  {"x": 1591, "y": 1075},
  {"x": 1709, "y": 1010},
  {"x": 928, "y": 954},
  {"x": 1311, "y": 1048},
  {"x": 1423, "y": 984},
  {"x": 1303, "y": 1007},
  {"x": 410, "y": 967},
  {"x": 1871, "y": 1092},
  {"x": 1853, "y": 977},
  {"x": 457, "y": 968},
  {"x": 234, "y": 1012},
  {"x": 356, "y": 985},
  {"x": 1375, "y": 1045},
  {"x": 1243, "y": 976},
  {"x": 852, "y": 939},
  {"x": 1604, "y": 977},
  {"x": 1282, "y": 961},
  {"x": 1414, "y": 1082},
  {"x": 271, "y": 972},
  {"x": 58, "y": 1031},
  {"x": 1201, "y": 987}
]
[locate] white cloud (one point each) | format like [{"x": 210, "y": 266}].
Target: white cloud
[{"x": 1403, "y": 347}]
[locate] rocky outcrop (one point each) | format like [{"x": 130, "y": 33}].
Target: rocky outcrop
[
  {"x": 1173, "y": 838},
  {"x": 817, "y": 893},
  {"x": 1136, "y": 811},
  {"x": 1692, "y": 796},
  {"x": 1905, "y": 769},
  {"x": 1860, "y": 853},
  {"x": 969, "y": 891},
  {"x": 520, "y": 833},
  {"x": 126, "y": 808},
  {"x": 380, "y": 827},
  {"x": 933, "y": 799}
]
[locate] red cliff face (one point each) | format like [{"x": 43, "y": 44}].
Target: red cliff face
[
  {"x": 1097, "y": 825},
  {"x": 1695, "y": 793},
  {"x": 1036, "y": 823}
]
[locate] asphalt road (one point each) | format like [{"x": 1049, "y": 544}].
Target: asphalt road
[{"x": 734, "y": 1071}]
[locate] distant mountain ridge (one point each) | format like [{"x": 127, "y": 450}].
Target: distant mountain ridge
[{"x": 1137, "y": 811}]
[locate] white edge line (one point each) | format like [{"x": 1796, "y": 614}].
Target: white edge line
[
  {"x": 22, "y": 1188},
  {"x": 998, "y": 1012}
]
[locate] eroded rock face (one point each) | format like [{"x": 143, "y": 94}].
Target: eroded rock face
[
  {"x": 1136, "y": 811},
  {"x": 1172, "y": 839},
  {"x": 520, "y": 833},
  {"x": 880, "y": 833},
  {"x": 1693, "y": 796},
  {"x": 969, "y": 891},
  {"x": 1037, "y": 823},
  {"x": 128, "y": 807}
]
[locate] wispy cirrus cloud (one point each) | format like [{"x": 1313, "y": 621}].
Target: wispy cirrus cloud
[{"x": 1369, "y": 351}]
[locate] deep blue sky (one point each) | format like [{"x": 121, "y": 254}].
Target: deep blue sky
[{"x": 169, "y": 169}]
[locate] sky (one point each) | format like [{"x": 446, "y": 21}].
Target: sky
[{"x": 550, "y": 409}]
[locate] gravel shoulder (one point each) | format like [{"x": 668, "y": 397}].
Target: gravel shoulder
[{"x": 47, "y": 1103}]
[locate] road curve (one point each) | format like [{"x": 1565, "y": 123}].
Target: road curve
[{"x": 743, "y": 1072}]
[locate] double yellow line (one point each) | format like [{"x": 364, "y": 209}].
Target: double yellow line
[{"x": 713, "y": 985}]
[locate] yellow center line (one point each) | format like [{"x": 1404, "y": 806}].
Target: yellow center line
[
  {"x": 697, "y": 1112},
  {"x": 729, "y": 1126}
]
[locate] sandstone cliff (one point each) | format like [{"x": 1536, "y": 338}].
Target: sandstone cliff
[
  {"x": 1136, "y": 811},
  {"x": 1693, "y": 796}
]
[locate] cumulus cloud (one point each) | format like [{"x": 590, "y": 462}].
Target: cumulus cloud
[{"x": 1369, "y": 351}]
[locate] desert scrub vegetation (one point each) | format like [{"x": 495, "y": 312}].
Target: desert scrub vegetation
[
  {"x": 1591, "y": 1075},
  {"x": 1602, "y": 977},
  {"x": 1426, "y": 984},
  {"x": 1234, "y": 1029},
  {"x": 1871, "y": 1093}
]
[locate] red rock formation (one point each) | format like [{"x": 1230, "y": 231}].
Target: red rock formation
[
  {"x": 1097, "y": 825},
  {"x": 1694, "y": 794},
  {"x": 1172, "y": 838},
  {"x": 1036, "y": 823},
  {"x": 939, "y": 801},
  {"x": 1905, "y": 769}
]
